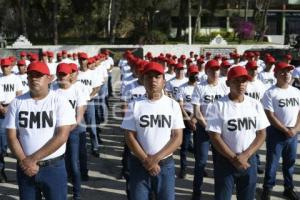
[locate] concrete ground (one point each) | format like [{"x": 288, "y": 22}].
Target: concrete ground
[{"x": 103, "y": 171}]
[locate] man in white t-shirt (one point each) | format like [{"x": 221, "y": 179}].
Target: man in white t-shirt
[
  {"x": 77, "y": 99},
  {"x": 282, "y": 106},
  {"x": 154, "y": 131},
  {"x": 23, "y": 75},
  {"x": 267, "y": 75},
  {"x": 10, "y": 87},
  {"x": 38, "y": 125},
  {"x": 204, "y": 94},
  {"x": 172, "y": 86},
  {"x": 236, "y": 124}
]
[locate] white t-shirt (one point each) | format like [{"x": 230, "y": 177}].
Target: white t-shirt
[
  {"x": 185, "y": 95},
  {"x": 169, "y": 77},
  {"x": 255, "y": 89},
  {"x": 36, "y": 120},
  {"x": 267, "y": 78},
  {"x": 24, "y": 80},
  {"x": 237, "y": 123},
  {"x": 153, "y": 122},
  {"x": 10, "y": 85},
  {"x": 173, "y": 85},
  {"x": 204, "y": 94},
  {"x": 285, "y": 103},
  {"x": 87, "y": 79},
  {"x": 133, "y": 92},
  {"x": 126, "y": 81}
]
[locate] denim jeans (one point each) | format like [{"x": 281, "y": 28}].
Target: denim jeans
[
  {"x": 51, "y": 181},
  {"x": 3, "y": 144},
  {"x": 141, "y": 183},
  {"x": 201, "y": 148},
  {"x": 226, "y": 176},
  {"x": 83, "y": 154},
  {"x": 186, "y": 137},
  {"x": 72, "y": 161},
  {"x": 279, "y": 145},
  {"x": 90, "y": 121}
]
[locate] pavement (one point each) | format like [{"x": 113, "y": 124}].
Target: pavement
[{"x": 104, "y": 184}]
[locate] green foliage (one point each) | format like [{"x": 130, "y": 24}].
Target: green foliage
[{"x": 155, "y": 37}]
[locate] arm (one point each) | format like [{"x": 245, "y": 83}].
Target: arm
[
  {"x": 79, "y": 116},
  {"x": 198, "y": 115},
  {"x": 296, "y": 128},
  {"x": 186, "y": 117},
  {"x": 277, "y": 124},
  {"x": 18, "y": 93},
  {"x": 134, "y": 146},
  {"x": 95, "y": 91}
]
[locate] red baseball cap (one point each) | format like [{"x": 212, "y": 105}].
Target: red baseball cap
[
  {"x": 63, "y": 68},
  {"x": 64, "y": 52},
  {"x": 288, "y": 57},
  {"x": 45, "y": 53},
  {"x": 83, "y": 56},
  {"x": 200, "y": 61},
  {"x": 21, "y": 63},
  {"x": 236, "y": 56},
  {"x": 74, "y": 67},
  {"x": 182, "y": 57},
  {"x": 179, "y": 66},
  {"x": 59, "y": 54},
  {"x": 250, "y": 55},
  {"x": 140, "y": 66},
  {"x": 153, "y": 66},
  {"x": 236, "y": 72},
  {"x": 251, "y": 65},
  {"x": 34, "y": 57},
  {"x": 270, "y": 59},
  {"x": 213, "y": 64},
  {"x": 282, "y": 65},
  {"x": 193, "y": 69},
  {"x": 188, "y": 60},
  {"x": 50, "y": 54},
  {"x": 40, "y": 67},
  {"x": 5, "y": 62},
  {"x": 91, "y": 60},
  {"x": 23, "y": 53},
  {"x": 257, "y": 53},
  {"x": 225, "y": 64},
  {"x": 208, "y": 53}
]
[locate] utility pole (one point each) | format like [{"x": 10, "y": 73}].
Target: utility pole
[
  {"x": 190, "y": 22},
  {"x": 246, "y": 10}
]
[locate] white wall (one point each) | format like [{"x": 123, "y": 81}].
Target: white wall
[{"x": 176, "y": 49}]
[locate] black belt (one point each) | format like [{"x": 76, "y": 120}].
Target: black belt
[
  {"x": 45, "y": 163},
  {"x": 165, "y": 160}
]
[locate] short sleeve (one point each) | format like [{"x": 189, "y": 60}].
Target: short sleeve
[
  {"x": 180, "y": 95},
  {"x": 196, "y": 96},
  {"x": 10, "y": 121},
  {"x": 267, "y": 101},
  {"x": 178, "y": 119},
  {"x": 81, "y": 98},
  {"x": 19, "y": 85},
  {"x": 129, "y": 120},
  {"x": 263, "y": 121},
  {"x": 65, "y": 115},
  {"x": 296, "y": 73},
  {"x": 213, "y": 118}
]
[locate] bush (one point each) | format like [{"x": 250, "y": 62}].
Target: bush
[{"x": 155, "y": 37}]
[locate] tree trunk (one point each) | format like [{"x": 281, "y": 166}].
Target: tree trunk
[
  {"x": 116, "y": 6},
  {"x": 182, "y": 14},
  {"x": 199, "y": 12},
  {"x": 264, "y": 17},
  {"x": 21, "y": 6},
  {"x": 55, "y": 30}
]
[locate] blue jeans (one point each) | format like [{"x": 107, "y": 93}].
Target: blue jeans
[
  {"x": 141, "y": 183},
  {"x": 90, "y": 121},
  {"x": 3, "y": 144},
  {"x": 226, "y": 176},
  {"x": 187, "y": 133},
  {"x": 279, "y": 145},
  {"x": 201, "y": 148},
  {"x": 72, "y": 160},
  {"x": 51, "y": 181},
  {"x": 83, "y": 154}
]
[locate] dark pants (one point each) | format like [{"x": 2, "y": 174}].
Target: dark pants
[
  {"x": 109, "y": 86},
  {"x": 226, "y": 176},
  {"x": 83, "y": 154},
  {"x": 142, "y": 183},
  {"x": 51, "y": 181},
  {"x": 279, "y": 145},
  {"x": 186, "y": 137},
  {"x": 3, "y": 144},
  {"x": 72, "y": 161},
  {"x": 201, "y": 148},
  {"x": 90, "y": 120}
]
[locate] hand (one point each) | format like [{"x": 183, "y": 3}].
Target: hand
[
  {"x": 291, "y": 132},
  {"x": 150, "y": 162},
  {"x": 155, "y": 170},
  {"x": 191, "y": 124},
  {"x": 241, "y": 162},
  {"x": 29, "y": 166}
]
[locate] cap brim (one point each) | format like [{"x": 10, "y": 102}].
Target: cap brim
[
  {"x": 152, "y": 70},
  {"x": 249, "y": 78}
]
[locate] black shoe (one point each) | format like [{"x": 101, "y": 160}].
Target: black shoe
[
  {"x": 190, "y": 149},
  {"x": 120, "y": 176},
  {"x": 291, "y": 194},
  {"x": 260, "y": 170},
  {"x": 3, "y": 177},
  {"x": 205, "y": 173},
  {"x": 96, "y": 153},
  {"x": 265, "y": 195},
  {"x": 182, "y": 174},
  {"x": 85, "y": 177},
  {"x": 196, "y": 195}
]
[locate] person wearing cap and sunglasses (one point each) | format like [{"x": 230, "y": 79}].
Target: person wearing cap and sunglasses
[
  {"x": 281, "y": 104},
  {"x": 10, "y": 87},
  {"x": 184, "y": 97},
  {"x": 153, "y": 132},
  {"x": 204, "y": 94},
  {"x": 236, "y": 125},
  {"x": 77, "y": 99},
  {"x": 38, "y": 125}
]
